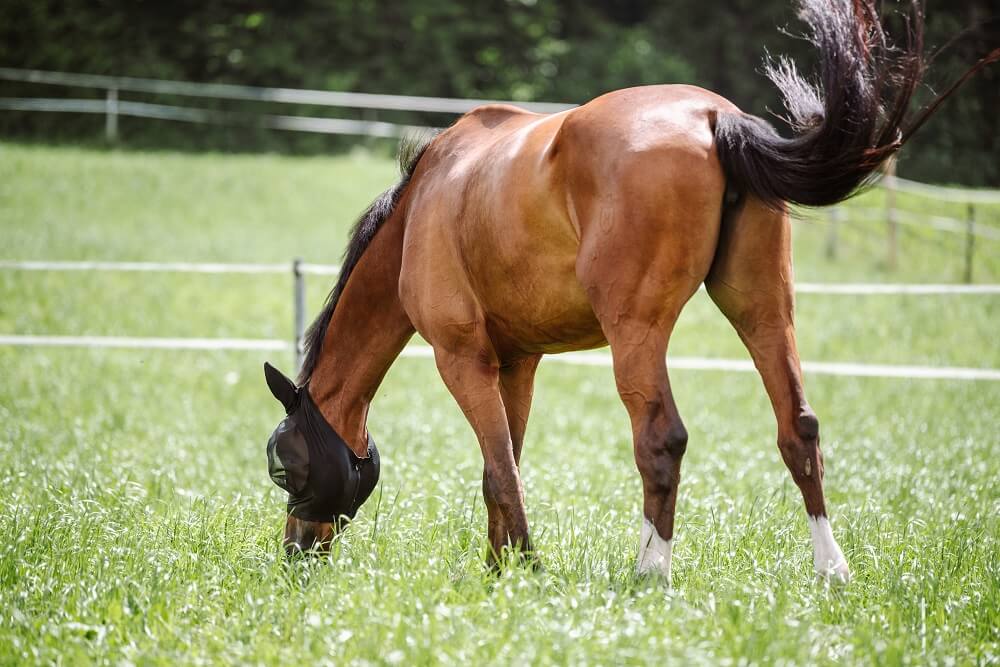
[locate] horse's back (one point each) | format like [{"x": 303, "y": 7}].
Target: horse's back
[
  {"x": 649, "y": 118},
  {"x": 655, "y": 137}
]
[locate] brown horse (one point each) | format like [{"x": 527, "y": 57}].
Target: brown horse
[{"x": 513, "y": 235}]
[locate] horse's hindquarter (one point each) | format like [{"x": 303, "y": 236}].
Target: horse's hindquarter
[
  {"x": 510, "y": 205},
  {"x": 647, "y": 188}
]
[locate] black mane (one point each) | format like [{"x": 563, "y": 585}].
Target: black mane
[{"x": 410, "y": 151}]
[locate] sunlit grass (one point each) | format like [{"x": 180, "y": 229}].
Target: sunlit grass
[{"x": 138, "y": 524}]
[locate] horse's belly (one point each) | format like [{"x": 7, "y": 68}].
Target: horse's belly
[
  {"x": 513, "y": 339},
  {"x": 525, "y": 281},
  {"x": 557, "y": 321}
]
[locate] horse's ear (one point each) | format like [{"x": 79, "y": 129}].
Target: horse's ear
[{"x": 283, "y": 389}]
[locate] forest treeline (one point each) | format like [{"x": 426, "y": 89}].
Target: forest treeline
[{"x": 551, "y": 50}]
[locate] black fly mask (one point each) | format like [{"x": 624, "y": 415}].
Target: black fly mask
[{"x": 324, "y": 479}]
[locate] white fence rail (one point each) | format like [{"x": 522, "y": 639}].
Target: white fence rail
[
  {"x": 347, "y": 126},
  {"x": 170, "y": 267},
  {"x": 955, "y": 195},
  {"x": 297, "y": 267},
  {"x": 936, "y": 222},
  {"x": 299, "y": 270},
  {"x": 328, "y": 98},
  {"x": 603, "y": 359},
  {"x": 112, "y": 106}
]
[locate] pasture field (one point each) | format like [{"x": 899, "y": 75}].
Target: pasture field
[{"x": 138, "y": 524}]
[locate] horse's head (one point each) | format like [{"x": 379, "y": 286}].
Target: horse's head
[{"x": 326, "y": 481}]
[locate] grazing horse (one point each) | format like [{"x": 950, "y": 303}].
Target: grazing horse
[{"x": 513, "y": 235}]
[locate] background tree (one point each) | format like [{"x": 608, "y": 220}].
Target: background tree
[{"x": 556, "y": 50}]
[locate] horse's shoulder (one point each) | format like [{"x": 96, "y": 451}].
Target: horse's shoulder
[{"x": 472, "y": 138}]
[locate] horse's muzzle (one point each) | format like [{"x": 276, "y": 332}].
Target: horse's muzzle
[{"x": 313, "y": 537}]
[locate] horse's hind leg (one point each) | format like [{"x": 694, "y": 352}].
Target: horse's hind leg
[
  {"x": 751, "y": 282},
  {"x": 516, "y": 387},
  {"x": 659, "y": 439},
  {"x": 638, "y": 283}
]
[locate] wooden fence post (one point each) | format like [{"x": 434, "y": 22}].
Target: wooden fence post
[
  {"x": 831, "y": 232},
  {"x": 890, "y": 214},
  {"x": 299, "y": 323},
  {"x": 970, "y": 241},
  {"x": 111, "y": 115}
]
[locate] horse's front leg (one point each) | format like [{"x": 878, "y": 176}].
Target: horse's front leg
[
  {"x": 517, "y": 382},
  {"x": 476, "y": 386}
]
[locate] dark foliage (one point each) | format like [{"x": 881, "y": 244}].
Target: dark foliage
[{"x": 563, "y": 50}]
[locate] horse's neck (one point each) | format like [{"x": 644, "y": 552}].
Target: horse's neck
[{"x": 368, "y": 330}]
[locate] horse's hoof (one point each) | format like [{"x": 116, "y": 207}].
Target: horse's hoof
[
  {"x": 655, "y": 577},
  {"x": 835, "y": 574},
  {"x": 527, "y": 560}
]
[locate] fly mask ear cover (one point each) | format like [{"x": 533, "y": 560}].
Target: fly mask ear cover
[{"x": 324, "y": 479}]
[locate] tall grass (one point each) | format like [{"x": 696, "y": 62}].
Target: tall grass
[{"x": 138, "y": 525}]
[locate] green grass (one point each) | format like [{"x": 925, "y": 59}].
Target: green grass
[{"x": 138, "y": 524}]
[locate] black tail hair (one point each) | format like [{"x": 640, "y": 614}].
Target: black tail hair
[
  {"x": 411, "y": 149},
  {"x": 845, "y": 127}
]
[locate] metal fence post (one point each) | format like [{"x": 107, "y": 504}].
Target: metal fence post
[
  {"x": 299, "y": 295},
  {"x": 890, "y": 213},
  {"x": 831, "y": 232},
  {"x": 111, "y": 115},
  {"x": 970, "y": 241}
]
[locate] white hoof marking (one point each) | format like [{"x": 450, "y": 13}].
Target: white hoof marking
[
  {"x": 654, "y": 551},
  {"x": 827, "y": 556}
]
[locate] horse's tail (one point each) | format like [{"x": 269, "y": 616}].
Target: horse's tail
[{"x": 847, "y": 125}]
